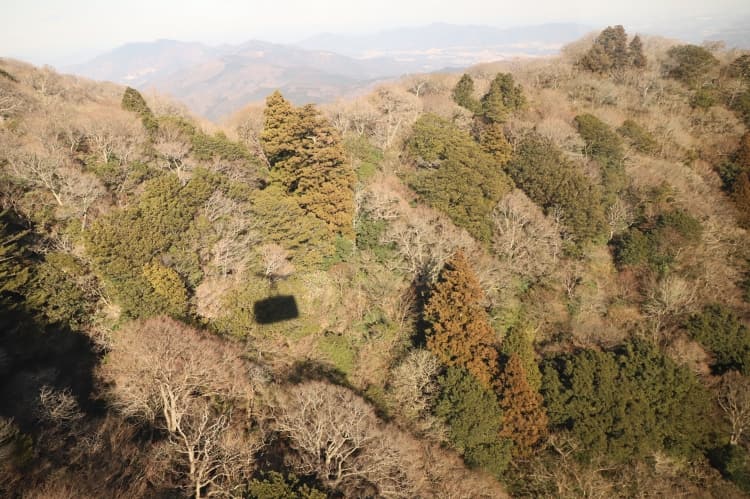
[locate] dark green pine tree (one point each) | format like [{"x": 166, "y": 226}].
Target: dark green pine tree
[
  {"x": 637, "y": 57},
  {"x": 474, "y": 420},
  {"x": 463, "y": 94},
  {"x": 133, "y": 101},
  {"x": 609, "y": 52},
  {"x": 503, "y": 98}
]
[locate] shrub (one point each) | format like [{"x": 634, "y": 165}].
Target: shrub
[
  {"x": 733, "y": 463},
  {"x": 273, "y": 485},
  {"x": 690, "y": 63},
  {"x": 639, "y": 138},
  {"x": 703, "y": 98}
]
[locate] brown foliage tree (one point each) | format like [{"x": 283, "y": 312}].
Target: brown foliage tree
[
  {"x": 459, "y": 332},
  {"x": 524, "y": 418}
]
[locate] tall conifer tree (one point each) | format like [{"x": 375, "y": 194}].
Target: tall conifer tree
[
  {"x": 308, "y": 161},
  {"x": 459, "y": 332},
  {"x": 463, "y": 94},
  {"x": 524, "y": 421},
  {"x": 637, "y": 58}
]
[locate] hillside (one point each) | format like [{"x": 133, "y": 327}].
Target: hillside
[{"x": 528, "y": 280}]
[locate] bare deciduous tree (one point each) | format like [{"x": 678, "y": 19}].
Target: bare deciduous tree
[
  {"x": 214, "y": 461},
  {"x": 173, "y": 376},
  {"x": 175, "y": 149},
  {"x": 338, "y": 437},
  {"x": 9, "y": 102},
  {"x": 276, "y": 264},
  {"x": 235, "y": 230},
  {"x": 116, "y": 134},
  {"x": 734, "y": 400},
  {"x": 58, "y": 407},
  {"x": 524, "y": 237},
  {"x": 413, "y": 388},
  {"x": 39, "y": 169},
  {"x": 619, "y": 217},
  {"x": 80, "y": 190},
  {"x": 668, "y": 298},
  {"x": 397, "y": 109},
  {"x": 160, "y": 366}
]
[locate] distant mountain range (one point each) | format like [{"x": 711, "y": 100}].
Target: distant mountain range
[
  {"x": 438, "y": 40},
  {"x": 215, "y": 81}
]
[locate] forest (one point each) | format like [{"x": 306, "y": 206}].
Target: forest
[{"x": 531, "y": 279}]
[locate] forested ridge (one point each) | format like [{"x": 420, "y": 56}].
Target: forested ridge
[{"x": 528, "y": 280}]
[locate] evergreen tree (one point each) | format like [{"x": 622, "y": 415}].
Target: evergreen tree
[
  {"x": 493, "y": 141},
  {"x": 133, "y": 101},
  {"x": 724, "y": 334},
  {"x": 474, "y": 421},
  {"x": 554, "y": 183},
  {"x": 279, "y": 138},
  {"x": 627, "y": 403},
  {"x": 690, "y": 63},
  {"x": 524, "y": 419},
  {"x": 605, "y": 146},
  {"x": 168, "y": 287},
  {"x": 463, "y": 94},
  {"x": 459, "y": 332},
  {"x": 609, "y": 52},
  {"x": 635, "y": 49},
  {"x": 503, "y": 98},
  {"x": 307, "y": 159},
  {"x": 324, "y": 180},
  {"x": 456, "y": 176},
  {"x": 518, "y": 341}
]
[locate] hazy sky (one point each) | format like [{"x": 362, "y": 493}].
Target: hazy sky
[{"x": 66, "y": 31}]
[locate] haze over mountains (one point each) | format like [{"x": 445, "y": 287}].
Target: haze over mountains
[{"x": 215, "y": 81}]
